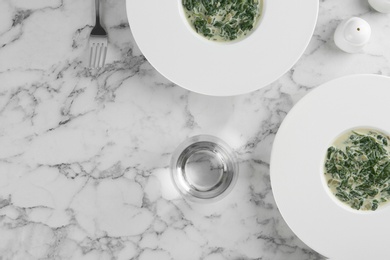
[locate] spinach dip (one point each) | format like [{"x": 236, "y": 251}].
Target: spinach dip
[
  {"x": 223, "y": 20},
  {"x": 357, "y": 169}
]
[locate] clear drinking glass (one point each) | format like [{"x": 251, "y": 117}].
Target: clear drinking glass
[{"x": 204, "y": 168}]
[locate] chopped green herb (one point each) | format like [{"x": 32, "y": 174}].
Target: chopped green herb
[
  {"x": 223, "y": 20},
  {"x": 357, "y": 169}
]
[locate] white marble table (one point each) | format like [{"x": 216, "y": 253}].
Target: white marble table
[{"x": 84, "y": 155}]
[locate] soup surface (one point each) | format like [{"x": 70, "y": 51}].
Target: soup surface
[
  {"x": 357, "y": 168},
  {"x": 223, "y": 20}
]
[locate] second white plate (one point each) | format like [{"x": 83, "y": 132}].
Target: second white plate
[{"x": 297, "y": 164}]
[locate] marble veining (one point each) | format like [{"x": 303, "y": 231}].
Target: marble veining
[{"x": 84, "y": 155}]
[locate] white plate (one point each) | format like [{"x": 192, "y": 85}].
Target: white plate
[
  {"x": 176, "y": 51},
  {"x": 297, "y": 161}
]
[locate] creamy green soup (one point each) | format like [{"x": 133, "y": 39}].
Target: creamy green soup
[
  {"x": 223, "y": 20},
  {"x": 357, "y": 169}
]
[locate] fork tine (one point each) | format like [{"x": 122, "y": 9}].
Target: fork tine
[
  {"x": 96, "y": 49},
  {"x": 104, "y": 54},
  {"x": 95, "y": 53},
  {"x": 98, "y": 54},
  {"x": 91, "y": 56}
]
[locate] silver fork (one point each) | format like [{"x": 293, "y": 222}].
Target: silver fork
[{"x": 97, "y": 42}]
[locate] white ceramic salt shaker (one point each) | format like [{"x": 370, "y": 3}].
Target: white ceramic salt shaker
[
  {"x": 352, "y": 34},
  {"x": 382, "y": 6}
]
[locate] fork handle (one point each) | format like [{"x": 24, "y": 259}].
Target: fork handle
[{"x": 97, "y": 9}]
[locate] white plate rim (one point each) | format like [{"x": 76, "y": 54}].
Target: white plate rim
[
  {"x": 256, "y": 62},
  {"x": 315, "y": 225}
]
